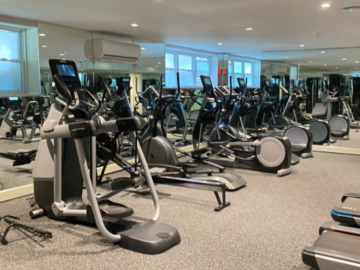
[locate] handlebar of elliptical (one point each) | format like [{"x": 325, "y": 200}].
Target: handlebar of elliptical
[{"x": 106, "y": 89}]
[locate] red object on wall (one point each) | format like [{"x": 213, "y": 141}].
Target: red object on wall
[
  {"x": 219, "y": 71},
  {"x": 224, "y": 71}
]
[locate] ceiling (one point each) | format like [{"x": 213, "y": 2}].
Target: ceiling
[{"x": 280, "y": 26}]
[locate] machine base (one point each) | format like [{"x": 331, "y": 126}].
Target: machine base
[{"x": 150, "y": 237}]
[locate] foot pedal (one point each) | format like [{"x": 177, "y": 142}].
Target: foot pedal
[
  {"x": 157, "y": 171},
  {"x": 109, "y": 209},
  {"x": 121, "y": 183}
]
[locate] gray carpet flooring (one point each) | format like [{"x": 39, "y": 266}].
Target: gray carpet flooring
[{"x": 266, "y": 227}]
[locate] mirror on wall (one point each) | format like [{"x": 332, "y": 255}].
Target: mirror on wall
[
  {"x": 57, "y": 42},
  {"x": 25, "y": 114},
  {"x": 322, "y": 75}
]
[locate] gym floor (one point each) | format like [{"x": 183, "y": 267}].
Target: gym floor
[{"x": 266, "y": 226}]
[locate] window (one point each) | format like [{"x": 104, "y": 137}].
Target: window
[
  {"x": 10, "y": 61},
  {"x": 202, "y": 68},
  {"x": 185, "y": 62},
  {"x": 237, "y": 67},
  {"x": 169, "y": 60},
  {"x": 190, "y": 65},
  {"x": 246, "y": 69}
]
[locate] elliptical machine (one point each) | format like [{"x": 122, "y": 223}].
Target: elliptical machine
[
  {"x": 175, "y": 110},
  {"x": 339, "y": 124},
  {"x": 107, "y": 150},
  {"x": 61, "y": 169},
  {"x": 320, "y": 129},
  {"x": 230, "y": 149},
  {"x": 160, "y": 152},
  {"x": 300, "y": 136}
]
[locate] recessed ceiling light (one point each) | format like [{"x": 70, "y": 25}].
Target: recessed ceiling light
[
  {"x": 62, "y": 54},
  {"x": 286, "y": 57},
  {"x": 159, "y": 63},
  {"x": 322, "y": 52},
  {"x": 249, "y": 29},
  {"x": 344, "y": 59},
  {"x": 336, "y": 67},
  {"x": 219, "y": 43},
  {"x": 324, "y": 65},
  {"x": 302, "y": 45},
  {"x": 44, "y": 46},
  {"x": 325, "y": 5},
  {"x": 143, "y": 48},
  {"x": 357, "y": 62},
  {"x": 42, "y": 35},
  {"x": 309, "y": 61},
  {"x": 63, "y": 59},
  {"x": 156, "y": 66},
  {"x": 134, "y": 25}
]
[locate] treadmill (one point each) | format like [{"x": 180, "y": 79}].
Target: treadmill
[
  {"x": 349, "y": 211},
  {"x": 338, "y": 247}
]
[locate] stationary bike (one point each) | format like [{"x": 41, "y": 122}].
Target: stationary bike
[{"x": 264, "y": 153}]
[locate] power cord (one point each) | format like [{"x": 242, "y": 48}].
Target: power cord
[{"x": 32, "y": 201}]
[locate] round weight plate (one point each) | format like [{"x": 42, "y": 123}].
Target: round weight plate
[
  {"x": 296, "y": 136},
  {"x": 271, "y": 152},
  {"x": 319, "y": 131}
]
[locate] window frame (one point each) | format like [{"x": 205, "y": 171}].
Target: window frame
[
  {"x": 243, "y": 73},
  {"x": 21, "y": 60},
  {"x": 193, "y": 55}
]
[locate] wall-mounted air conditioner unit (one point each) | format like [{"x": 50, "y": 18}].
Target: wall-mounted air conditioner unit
[
  {"x": 111, "y": 51},
  {"x": 277, "y": 69}
]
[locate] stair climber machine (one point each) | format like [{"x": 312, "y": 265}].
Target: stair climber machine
[
  {"x": 160, "y": 152},
  {"x": 339, "y": 124},
  {"x": 229, "y": 148},
  {"x": 165, "y": 169},
  {"x": 61, "y": 169},
  {"x": 299, "y": 136},
  {"x": 320, "y": 129}
]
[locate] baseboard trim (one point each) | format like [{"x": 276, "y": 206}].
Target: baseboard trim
[
  {"x": 337, "y": 150},
  {"x": 13, "y": 193}
]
